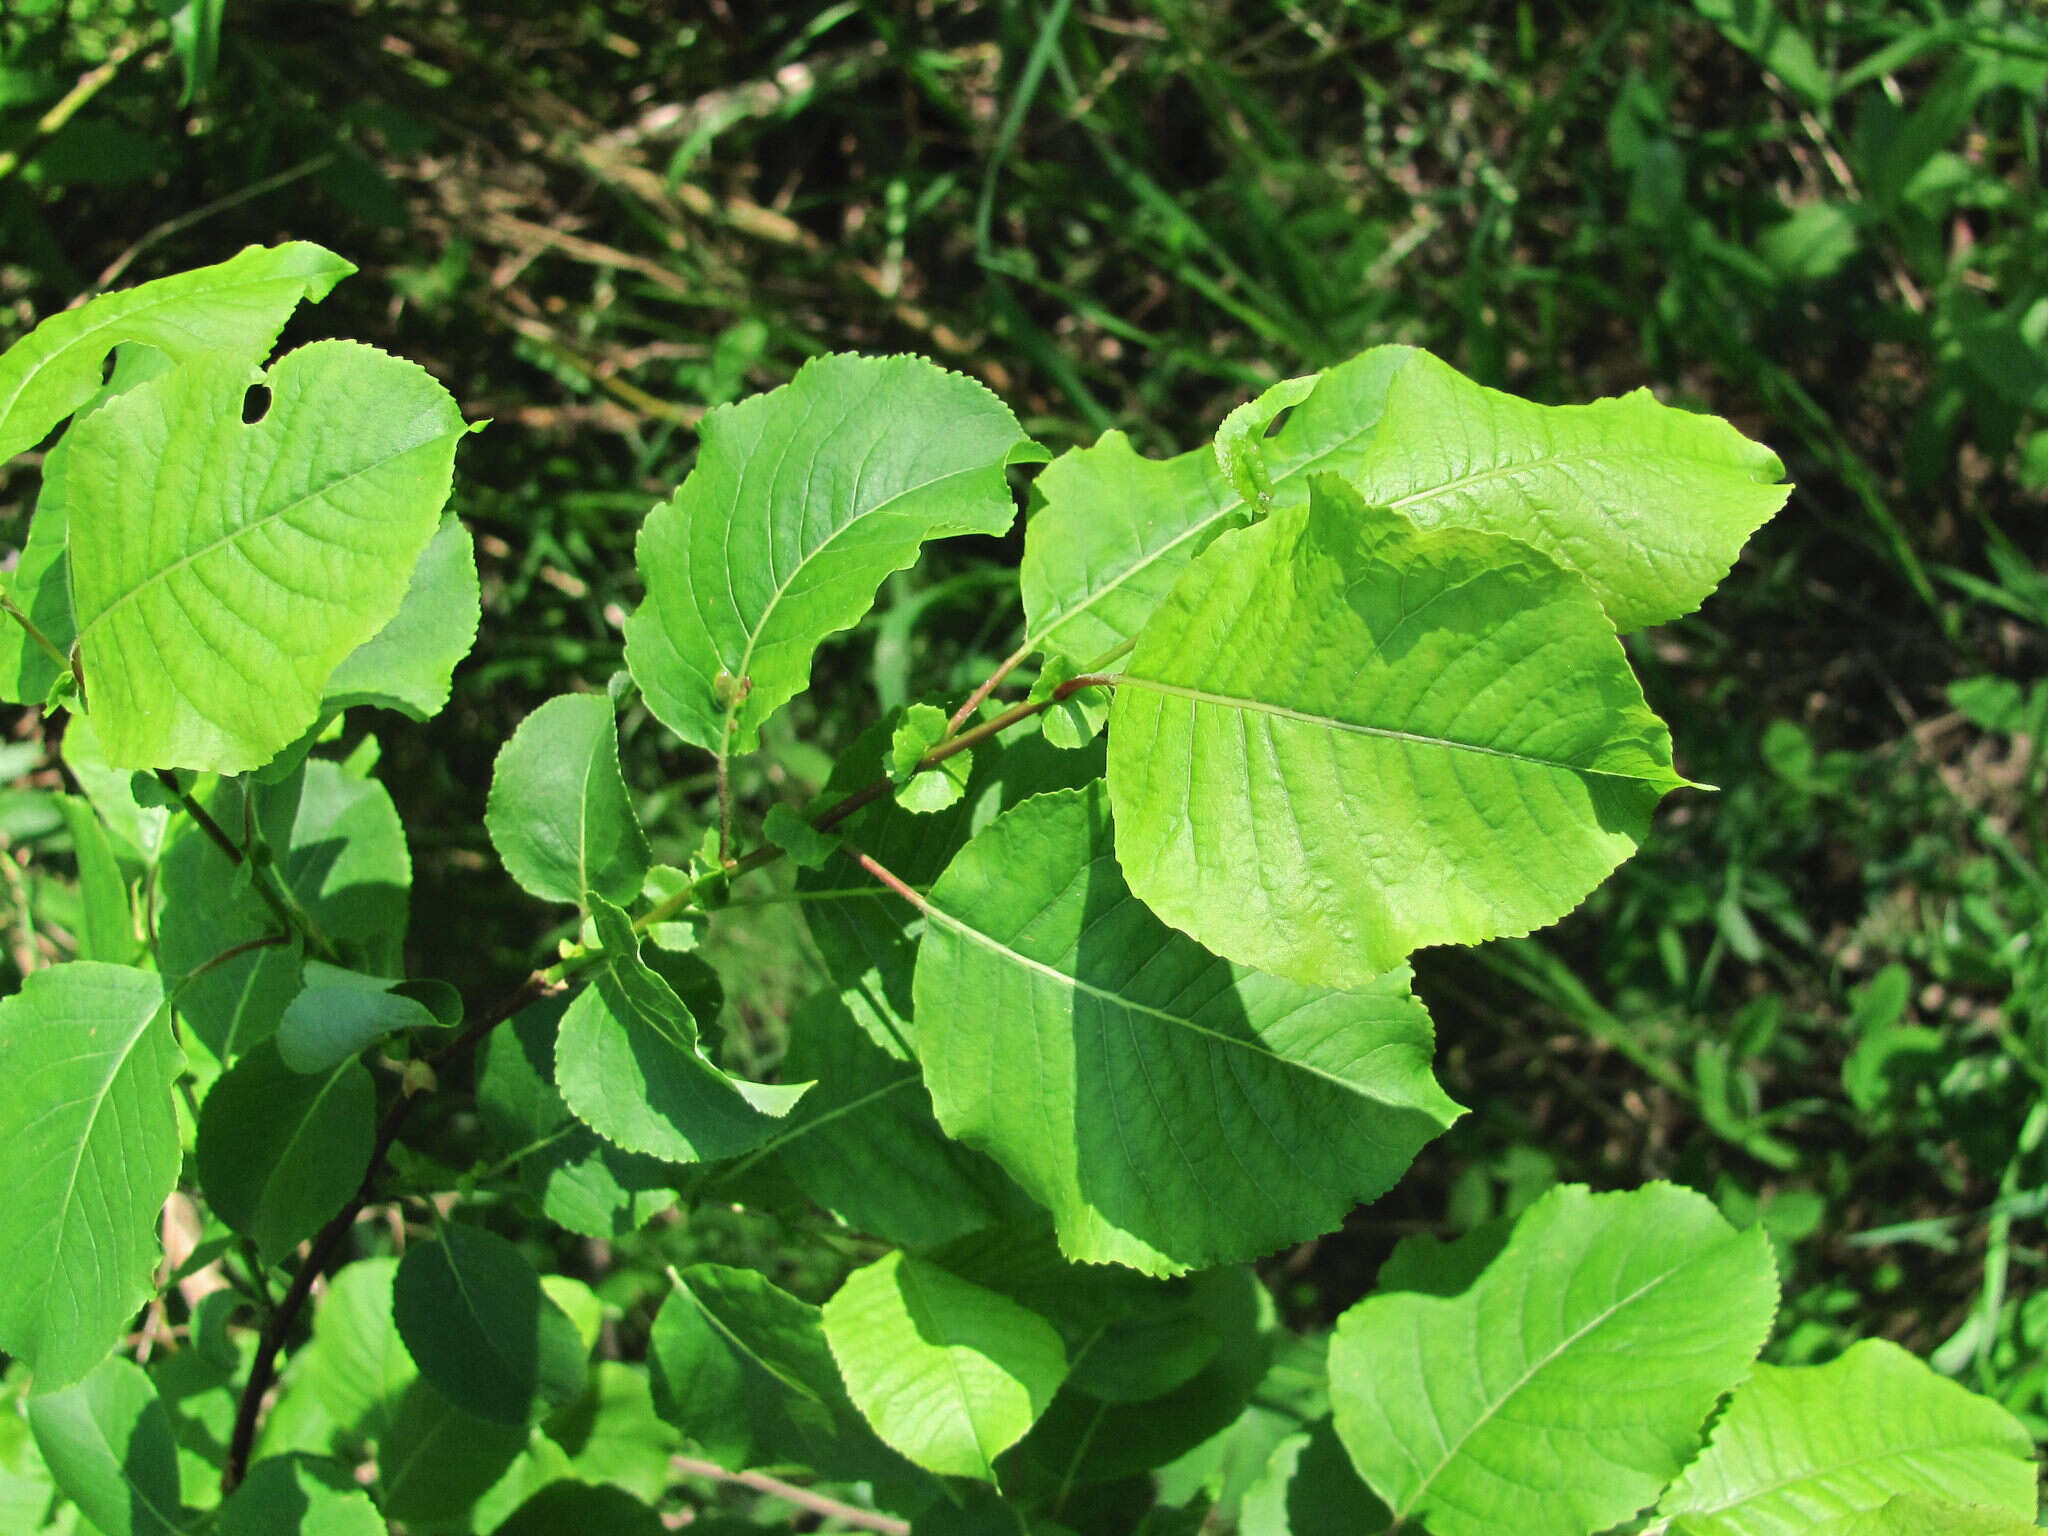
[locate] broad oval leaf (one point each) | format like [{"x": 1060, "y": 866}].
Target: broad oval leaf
[
  {"x": 339, "y": 847},
  {"x": 108, "y": 1444},
  {"x": 221, "y": 571},
  {"x": 802, "y": 500},
  {"x": 280, "y": 1150},
  {"x": 435, "y": 1461},
  {"x": 1116, "y": 529},
  {"x": 582, "y": 1181},
  {"x": 92, "y": 1143},
  {"x": 948, "y": 1372},
  {"x": 1798, "y": 1446},
  {"x": 409, "y": 664},
  {"x": 1649, "y": 503},
  {"x": 1343, "y": 738},
  {"x": 863, "y": 1143},
  {"x": 1496, "y": 1409},
  {"x": 742, "y": 1368},
  {"x": 474, "y": 1316},
  {"x": 340, "y": 1013},
  {"x": 629, "y": 1062},
  {"x": 1171, "y": 1109},
  {"x": 236, "y": 307},
  {"x": 298, "y": 1496},
  {"x": 357, "y": 1366},
  {"x": 558, "y": 812}
]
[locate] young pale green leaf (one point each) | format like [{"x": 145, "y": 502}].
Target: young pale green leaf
[
  {"x": 436, "y": 1461},
  {"x": 1171, "y": 1109},
  {"x": 356, "y": 1366},
  {"x": 803, "y": 499},
  {"x": 629, "y": 1062},
  {"x": 1498, "y": 1409},
  {"x": 949, "y": 1373},
  {"x": 108, "y": 1444},
  {"x": 1342, "y": 738},
  {"x": 236, "y": 307},
  {"x": 92, "y": 1144},
  {"x": 1075, "y": 719},
  {"x": 409, "y": 664},
  {"x": 1650, "y": 504},
  {"x": 340, "y": 850},
  {"x": 863, "y": 1142},
  {"x": 1802, "y": 1445},
  {"x": 340, "y": 1013},
  {"x": 743, "y": 1369},
  {"x": 582, "y": 1182},
  {"x": 474, "y": 1316},
  {"x": 136, "y": 830},
  {"x": 299, "y": 1496},
  {"x": 280, "y": 1150},
  {"x": 923, "y": 727},
  {"x": 558, "y": 813},
  {"x": 1116, "y": 529},
  {"x": 1238, "y": 453},
  {"x": 106, "y": 929},
  {"x": 221, "y": 571}
]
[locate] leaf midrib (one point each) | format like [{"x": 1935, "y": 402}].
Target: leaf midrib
[
  {"x": 1355, "y": 728},
  {"x": 995, "y": 946},
  {"x": 165, "y": 573}
]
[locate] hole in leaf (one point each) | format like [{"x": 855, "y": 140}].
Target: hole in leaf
[
  {"x": 107, "y": 366},
  {"x": 255, "y": 405},
  {"x": 1273, "y": 427}
]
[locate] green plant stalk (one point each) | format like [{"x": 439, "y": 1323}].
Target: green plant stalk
[
  {"x": 283, "y": 905},
  {"x": 73, "y": 101}
]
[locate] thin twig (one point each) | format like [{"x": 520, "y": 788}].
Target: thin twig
[
  {"x": 892, "y": 880},
  {"x": 185, "y": 221},
  {"x": 989, "y": 685},
  {"x": 817, "y": 1503},
  {"x": 327, "y": 1242},
  {"x": 7, "y": 605},
  {"x": 89, "y": 85},
  {"x": 291, "y": 916}
]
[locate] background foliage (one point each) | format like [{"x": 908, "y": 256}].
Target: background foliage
[{"x": 1819, "y": 996}]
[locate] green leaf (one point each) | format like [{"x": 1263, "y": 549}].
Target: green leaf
[
  {"x": 1238, "y": 453},
  {"x": 743, "y": 1369},
  {"x": 1497, "y": 1409},
  {"x": 409, "y": 664},
  {"x": 1310, "y": 1488},
  {"x": 436, "y": 1461},
  {"x": 107, "y": 1442},
  {"x": 1343, "y": 738},
  {"x": 1171, "y": 1109},
  {"x": 280, "y": 1151},
  {"x": 1801, "y": 1445},
  {"x": 357, "y": 1365},
  {"x": 136, "y": 831},
  {"x": 613, "y": 1435},
  {"x": 237, "y": 307},
  {"x": 922, "y": 727},
  {"x": 859, "y": 927},
  {"x": 949, "y": 1373},
  {"x": 341, "y": 851},
  {"x": 559, "y": 814},
  {"x": 107, "y": 923},
  {"x": 1116, "y": 530},
  {"x": 569, "y": 1508},
  {"x": 473, "y": 1315},
  {"x": 802, "y": 500},
  {"x": 92, "y": 1153},
  {"x": 1649, "y": 503},
  {"x": 629, "y": 1062},
  {"x": 340, "y": 1013},
  {"x": 298, "y": 1496},
  {"x": 1917, "y": 1514},
  {"x": 863, "y": 1143},
  {"x": 1075, "y": 720},
  {"x": 807, "y": 847},
  {"x": 220, "y": 572},
  {"x": 582, "y": 1181}
]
